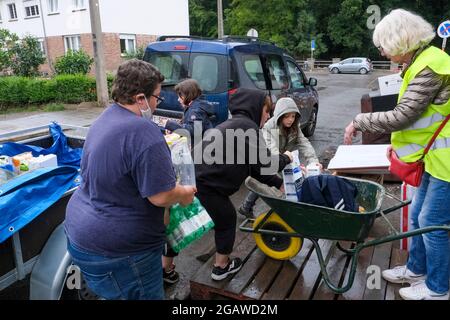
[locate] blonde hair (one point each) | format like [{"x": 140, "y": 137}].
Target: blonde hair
[{"x": 401, "y": 32}]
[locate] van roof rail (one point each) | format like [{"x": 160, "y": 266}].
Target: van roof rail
[
  {"x": 245, "y": 39},
  {"x": 165, "y": 37}
]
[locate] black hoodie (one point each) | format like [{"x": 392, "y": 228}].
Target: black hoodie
[{"x": 246, "y": 106}]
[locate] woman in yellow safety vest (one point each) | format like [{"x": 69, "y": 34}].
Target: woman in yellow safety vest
[{"x": 423, "y": 104}]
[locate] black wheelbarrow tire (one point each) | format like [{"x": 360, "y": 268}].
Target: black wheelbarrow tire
[{"x": 278, "y": 247}]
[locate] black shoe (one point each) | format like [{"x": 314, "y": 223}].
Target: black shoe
[
  {"x": 171, "y": 276},
  {"x": 233, "y": 266},
  {"x": 248, "y": 213}
]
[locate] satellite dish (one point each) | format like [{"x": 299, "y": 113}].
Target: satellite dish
[{"x": 252, "y": 33}]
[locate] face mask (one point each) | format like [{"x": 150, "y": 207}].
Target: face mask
[{"x": 147, "y": 114}]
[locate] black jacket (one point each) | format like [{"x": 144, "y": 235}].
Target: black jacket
[{"x": 246, "y": 156}]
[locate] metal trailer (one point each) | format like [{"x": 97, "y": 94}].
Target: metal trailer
[{"x": 39, "y": 248}]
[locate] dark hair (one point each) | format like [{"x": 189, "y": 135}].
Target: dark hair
[
  {"x": 133, "y": 77},
  {"x": 292, "y": 129},
  {"x": 189, "y": 89}
]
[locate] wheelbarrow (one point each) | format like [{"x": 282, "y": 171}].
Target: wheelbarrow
[{"x": 279, "y": 233}]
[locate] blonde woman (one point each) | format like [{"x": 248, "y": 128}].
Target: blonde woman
[{"x": 423, "y": 104}]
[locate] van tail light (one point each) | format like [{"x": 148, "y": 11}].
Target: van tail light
[
  {"x": 179, "y": 47},
  {"x": 232, "y": 91}
]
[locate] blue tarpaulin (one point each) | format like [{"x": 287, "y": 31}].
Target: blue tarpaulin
[
  {"x": 25, "y": 197},
  {"x": 28, "y": 195},
  {"x": 65, "y": 154}
]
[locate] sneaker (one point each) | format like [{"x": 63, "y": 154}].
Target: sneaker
[
  {"x": 401, "y": 274},
  {"x": 420, "y": 291},
  {"x": 171, "y": 276},
  {"x": 248, "y": 213},
  {"x": 233, "y": 266}
]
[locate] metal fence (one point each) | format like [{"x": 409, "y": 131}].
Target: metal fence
[{"x": 320, "y": 64}]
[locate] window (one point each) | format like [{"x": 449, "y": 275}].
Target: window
[
  {"x": 72, "y": 43},
  {"x": 12, "y": 11},
  {"x": 357, "y": 61},
  {"x": 42, "y": 46},
  {"x": 127, "y": 44},
  {"x": 32, "y": 11},
  {"x": 276, "y": 72},
  {"x": 205, "y": 69},
  {"x": 52, "y": 6},
  {"x": 172, "y": 65},
  {"x": 253, "y": 67},
  {"x": 78, "y": 4},
  {"x": 210, "y": 71},
  {"x": 296, "y": 75}
]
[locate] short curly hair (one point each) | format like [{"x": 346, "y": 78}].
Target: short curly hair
[
  {"x": 402, "y": 32},
  {"x": 134, "y": 77}
]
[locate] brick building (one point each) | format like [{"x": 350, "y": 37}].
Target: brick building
[{"x": 61, "y": 25}]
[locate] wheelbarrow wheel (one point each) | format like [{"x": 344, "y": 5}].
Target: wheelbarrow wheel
[{"x": 276, "y": 246}]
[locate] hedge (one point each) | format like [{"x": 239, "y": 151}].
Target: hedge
[{"x": 18, "y": 91}]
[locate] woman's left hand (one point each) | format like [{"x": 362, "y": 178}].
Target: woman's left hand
[{"x": 350, "y": 132}]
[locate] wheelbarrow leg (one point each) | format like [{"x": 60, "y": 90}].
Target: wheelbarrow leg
[
  {"x": 348, "y": 252},
  {"x": 323, "y": 268}
]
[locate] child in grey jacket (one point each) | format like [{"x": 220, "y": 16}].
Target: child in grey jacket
[{"x": 282, "y": 133}]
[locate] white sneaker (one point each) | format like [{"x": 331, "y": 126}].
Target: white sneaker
[
  {"x": 401, "y": 274},
  {"x": 420, "y": 291}
]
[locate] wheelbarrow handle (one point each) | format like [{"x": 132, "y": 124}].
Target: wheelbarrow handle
[{"x": 401, "y": 204}]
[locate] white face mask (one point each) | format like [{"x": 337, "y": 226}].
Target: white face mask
[{"x": 148, "y": 113}]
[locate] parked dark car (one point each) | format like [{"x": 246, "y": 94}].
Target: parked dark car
[{"x": 223, "y": 65}]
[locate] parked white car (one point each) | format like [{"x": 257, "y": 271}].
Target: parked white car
[{"x": 352, "y": 65}]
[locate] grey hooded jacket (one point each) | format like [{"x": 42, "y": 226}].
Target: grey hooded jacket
[{"x": 278, "y": 143}]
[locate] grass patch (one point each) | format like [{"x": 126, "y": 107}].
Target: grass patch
[
  {"x": 54, "y": 107},
  {"x": 19, "y": 109}
]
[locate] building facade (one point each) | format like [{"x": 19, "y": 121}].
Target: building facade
[{"x": 62, "y": 25}]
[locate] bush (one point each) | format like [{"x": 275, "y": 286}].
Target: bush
[
  {"x": 13, "y": 91},
  {"x": 27, "y": 57},
  {"x": 74, "y": 62},
  {"x": 7, "y": 42},
  {"x": 18, "y": 91},
  {"x": 75, "y": 88}
]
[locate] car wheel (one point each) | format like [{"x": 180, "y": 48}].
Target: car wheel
[
  {"x": 363, "y": 71},
  {"x": 335, "y": 70},
  {"x": 308, "y": 131}
]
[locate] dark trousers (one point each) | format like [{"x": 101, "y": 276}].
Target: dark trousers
[{"x": 223, "y": 214}]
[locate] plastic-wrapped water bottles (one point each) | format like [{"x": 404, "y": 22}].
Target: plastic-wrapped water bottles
[
  {"x": 183, "y": 163},
  {"x": 293, "y": 178}
]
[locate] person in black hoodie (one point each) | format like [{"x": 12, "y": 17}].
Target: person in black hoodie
[{"x": 217, "y": 179}]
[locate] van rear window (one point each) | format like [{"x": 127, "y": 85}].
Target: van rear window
[{"x": 171, "y": 64}]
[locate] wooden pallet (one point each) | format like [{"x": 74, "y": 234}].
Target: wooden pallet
[{"x": 263, "y": 278}]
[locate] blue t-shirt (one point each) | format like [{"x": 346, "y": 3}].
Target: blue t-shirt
[{"x": 125, "y": 160}]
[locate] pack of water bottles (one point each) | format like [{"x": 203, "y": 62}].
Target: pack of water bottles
[
  {"x": 189, "y": 223},
  {"x": 293, "y": 178}
]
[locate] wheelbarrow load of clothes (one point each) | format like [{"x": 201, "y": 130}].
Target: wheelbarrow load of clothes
[{"x": 279, "y": 233}]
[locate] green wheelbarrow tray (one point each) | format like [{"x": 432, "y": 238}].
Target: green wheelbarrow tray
[{"x": 316, "y": 222}]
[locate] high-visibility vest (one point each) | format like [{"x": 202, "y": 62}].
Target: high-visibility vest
[{"x": 410, "y": 143}]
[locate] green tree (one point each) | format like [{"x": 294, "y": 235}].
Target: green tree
[
  {"x": 74, "y": 62},
  {"x": 27, "y": 57},
  {"x": 136, "y": 54},
  {"x": 7, "y": 42}
]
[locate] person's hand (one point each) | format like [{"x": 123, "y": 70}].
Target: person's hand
[
  {"x": 389, "y": 152},
  {"x": 187, "y": 195},
  {"x": 168, "y": 132},
  {"x": 304, "y": 171},
  {"x": 289, "y": 154},
  {"x": 350, "y": 132},
  {"x": 282, "y": 188},
  {"x": 320, "y": 166}
]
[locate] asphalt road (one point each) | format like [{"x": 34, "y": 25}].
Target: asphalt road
[{"x": 339, "y": 101}]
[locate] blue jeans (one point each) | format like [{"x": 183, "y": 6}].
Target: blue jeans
[
  {"x": 429, "y": 253},
  {"x": 134, "y": 277}
]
